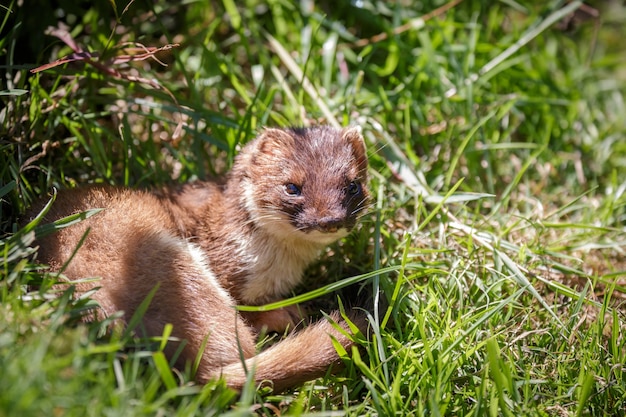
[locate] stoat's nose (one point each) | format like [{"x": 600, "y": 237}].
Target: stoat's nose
[{"x": 329, "y": 224}]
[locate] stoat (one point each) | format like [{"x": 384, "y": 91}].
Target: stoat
[{"x": 211, "y": 246}]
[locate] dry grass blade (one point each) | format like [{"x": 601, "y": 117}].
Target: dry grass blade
[{"x": 308, "y": 86}]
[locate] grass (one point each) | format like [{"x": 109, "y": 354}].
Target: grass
[{"x": 495, "y": 133}]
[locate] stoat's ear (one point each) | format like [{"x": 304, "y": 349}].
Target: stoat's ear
[
  {"x": 274, "y": 141},
  {"x": 352, "y": 135},
  {"x": 270, "y": 145},
  {"x": 277, "y": 135}
]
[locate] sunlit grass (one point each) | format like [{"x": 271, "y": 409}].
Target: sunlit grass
[{"x": 496, "y": 236}]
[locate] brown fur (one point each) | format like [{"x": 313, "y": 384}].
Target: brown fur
[{"x": 210, "y": 246}]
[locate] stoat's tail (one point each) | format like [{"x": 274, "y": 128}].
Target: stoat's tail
[{"x": 301, "y": 357}]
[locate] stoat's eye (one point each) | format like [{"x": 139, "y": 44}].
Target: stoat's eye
[
  {"x": 354, "y": 187},
  {"x": 292, "y": 189}
]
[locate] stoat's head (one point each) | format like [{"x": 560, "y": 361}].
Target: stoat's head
[{"x": 308, "y": 184}]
